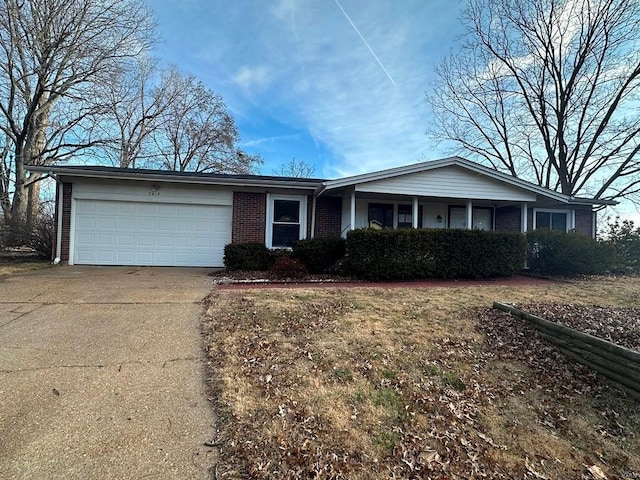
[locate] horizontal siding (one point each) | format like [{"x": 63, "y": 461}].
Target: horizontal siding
[
  {"x": 145, "y": 192},
  {"x": 448, "y": 182}
]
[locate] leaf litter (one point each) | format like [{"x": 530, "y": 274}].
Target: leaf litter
[{"x": 359, "y": 385}]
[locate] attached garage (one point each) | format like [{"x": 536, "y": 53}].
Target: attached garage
[{"x": 149, "y": 225}]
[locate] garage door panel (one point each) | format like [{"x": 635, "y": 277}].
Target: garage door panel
[
  {"x": 126, "y": 240},
  {"x": 106, "y": 240},
  {"x": 145, "y": 241},
  {"x": 164, "y": 241},
  {"x": 125, "y": 257},
  {"x": 147, "y": 224},
  {"x": 130, "y": 233}
]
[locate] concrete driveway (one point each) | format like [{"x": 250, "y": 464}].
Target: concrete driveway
[{"x": 101, "y": 374}]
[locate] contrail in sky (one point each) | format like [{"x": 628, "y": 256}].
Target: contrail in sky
[{"x": 364, "y": 41}]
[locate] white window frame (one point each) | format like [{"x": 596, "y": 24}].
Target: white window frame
[
  {"x": 569, "y": 214},
  {"x": 480, "y": 207},
  {"x": 271, "y": 198},
  {"x": 396, "y": 206}
]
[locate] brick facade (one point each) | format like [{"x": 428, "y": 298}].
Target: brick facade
[
  {"x": 249, "y": 217},
  {"x": 508, "y": 219},
  {"x": 67, "y": 189},
  {"x": 328, "y": 217},
  {"x": 584, "y": 221}
]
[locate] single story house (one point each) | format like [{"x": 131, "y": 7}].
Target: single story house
[{"x": 114, "y": 216}]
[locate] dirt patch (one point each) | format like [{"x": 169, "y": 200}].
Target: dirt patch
[{"x": 370, "y": 383}]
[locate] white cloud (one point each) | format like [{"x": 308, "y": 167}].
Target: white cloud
[
  {"x": 265, "y": 140},
  {"x": 249, "y": 78}
]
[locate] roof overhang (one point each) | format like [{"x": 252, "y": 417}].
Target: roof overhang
[
  {"x": 109, "y": 173},
  {"x": 317, "y": 186},
  {"x": 463, "y": 163}
]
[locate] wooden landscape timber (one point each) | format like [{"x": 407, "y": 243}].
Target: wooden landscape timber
[{"x": 617, "y": 363}]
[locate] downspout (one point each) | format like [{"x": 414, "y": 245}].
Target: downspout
[{"x": 59, "y": 184}]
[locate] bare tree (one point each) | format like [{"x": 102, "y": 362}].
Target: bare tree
[
  {"x": 547, "y": 90},
  {"x": 132, "y": 114},
  {"x": 53, "y": 56},
  {"x": 196, "y": 132},
  {"x": 295, "y": 168}
]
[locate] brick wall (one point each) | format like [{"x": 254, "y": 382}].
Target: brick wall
[
  {"x": 584, "y": 221},
  {"x": 67, "y": 189},
  {"x": 249, "y": 217},
  {"x": 508, "y": 219},
  {"x": 328, "y": 216}
]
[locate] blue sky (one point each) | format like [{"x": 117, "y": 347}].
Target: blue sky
[{"x": 339, "y": 84}]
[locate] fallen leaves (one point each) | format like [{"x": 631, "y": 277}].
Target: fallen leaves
[{"x": 315, "y": 385}]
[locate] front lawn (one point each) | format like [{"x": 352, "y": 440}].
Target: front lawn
[{"x": 370, "y": 383}]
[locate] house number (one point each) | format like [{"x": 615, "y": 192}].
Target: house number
[{"x": 155, "y": 191}]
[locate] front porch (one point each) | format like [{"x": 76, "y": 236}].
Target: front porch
[{"x": 362, "y": 210}]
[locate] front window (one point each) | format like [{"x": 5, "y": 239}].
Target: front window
[
  {"x": 551, "y": 220},
  {"x": 286, "y": 221},
  {"x": 405, "y": 216},
  {"x": 481, "y": 218},
  {"x": 381, "y": 215}
]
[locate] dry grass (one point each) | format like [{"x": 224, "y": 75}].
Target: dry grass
[
  {"x": 12, "y": 266},
  {"x": 401, "y": 383}
]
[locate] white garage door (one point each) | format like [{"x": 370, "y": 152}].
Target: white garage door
[{"x": 142, "y": 233}]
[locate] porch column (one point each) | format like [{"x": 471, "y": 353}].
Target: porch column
[
  {"x": 572, "y": 219},
  {"x": 352, "y": 226},
  {"x": 415, "y": 212},
  {"x": 523, "y": 217},
  {"x": 469, "y": 214}
]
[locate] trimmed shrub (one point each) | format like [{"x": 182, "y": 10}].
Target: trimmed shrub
[
  {"x": 410, "y": 254},
  {"x": 288, "y": 267},
  {"x": 247, "y": 256},
  {"x": 318, "y": 254},
  {"x": 559, "y": 253}
]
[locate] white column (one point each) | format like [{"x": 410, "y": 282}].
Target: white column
[
  {"x": 572, "y": 221},
  {"x": 415, "y": 212},
  {"x": 523, "y": 217},
  {"x": 352, "y": 226},
  {"x": 469, "y": 214}
]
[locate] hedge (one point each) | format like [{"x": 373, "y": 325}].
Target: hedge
[
  {"x": 411, "y": 254},
  {"x": 247, "y": 256},
  {"x": 573, "y": 253},
  {"x": 318, "y": 254}
]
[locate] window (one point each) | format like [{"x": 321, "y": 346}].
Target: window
[
  {"x": 552, "y": 220},
  {"x": 405, "y": 216},
  {"x": 381, "y": 214},
  {"x": 481, "y": 218},
  {"x": 286, "y": 223},
  {"x": 457, "y": 217}
]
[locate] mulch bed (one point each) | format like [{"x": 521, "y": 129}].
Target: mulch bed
[{"x": 225, "y": 279}]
